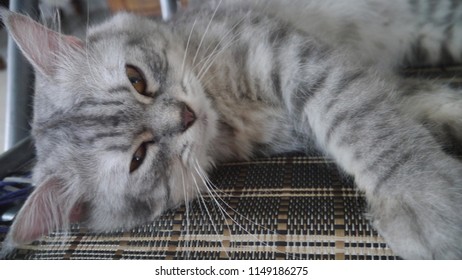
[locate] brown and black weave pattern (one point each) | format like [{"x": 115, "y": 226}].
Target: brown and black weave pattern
[{"x": 288, "y": 207}]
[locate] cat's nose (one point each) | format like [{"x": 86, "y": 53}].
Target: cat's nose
[{"x": 188, "y": 117}]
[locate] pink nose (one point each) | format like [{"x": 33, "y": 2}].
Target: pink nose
[{"x": 188, "y": 117}]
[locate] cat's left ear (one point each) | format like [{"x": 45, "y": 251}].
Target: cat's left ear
[
  {"x": 48, "y": 208},
  {"x": 40, "y": 45}
]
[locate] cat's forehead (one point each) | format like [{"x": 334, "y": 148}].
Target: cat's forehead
[
  {"x": 126, "y": 39},
  {"x": 129, "y": 29}
]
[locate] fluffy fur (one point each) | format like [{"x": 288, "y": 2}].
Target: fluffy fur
[{"x": 261, "y": 78}]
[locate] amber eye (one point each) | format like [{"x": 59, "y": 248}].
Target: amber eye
[
  {"x": 138, "y": 157},
  {"x": 136, "y": 78}
]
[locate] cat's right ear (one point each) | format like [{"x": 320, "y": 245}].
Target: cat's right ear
[{"x": 40, "y": 45}]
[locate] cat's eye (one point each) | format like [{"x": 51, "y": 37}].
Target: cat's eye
[
  {"x": 138, "y": 157},
  {"x": 136, "y": 78}
]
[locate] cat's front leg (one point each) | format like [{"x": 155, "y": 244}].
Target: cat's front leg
[{"x": 413, "y": 188}]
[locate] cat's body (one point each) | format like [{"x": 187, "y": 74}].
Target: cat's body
[{"x": 230, "y": 81}]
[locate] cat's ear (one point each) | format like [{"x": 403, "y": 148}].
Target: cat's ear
[
  {"x": 48, "y": 208},
  {"x": 40, "y": 45}
]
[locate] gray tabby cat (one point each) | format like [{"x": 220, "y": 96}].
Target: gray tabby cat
[{"x": 127, "y": 121}]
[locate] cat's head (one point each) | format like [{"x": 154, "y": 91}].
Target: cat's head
[{"x": 121, "y": 125}]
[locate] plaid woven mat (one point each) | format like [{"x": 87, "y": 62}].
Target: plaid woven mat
[{"x": 287, "y": 207}]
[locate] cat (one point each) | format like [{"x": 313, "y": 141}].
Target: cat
[{"x": 128, "y": 120}]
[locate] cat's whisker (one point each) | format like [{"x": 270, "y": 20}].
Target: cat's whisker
[
  {"x": 215, "y": 189},
  {"x": 210, "y": 63},
  {"x": 212, "y": 196},
  {"x": 212, "y": 189},
  {"x": 200, "y": 202},
  {"x": 207, "y": 81},
  {"x": 186, "y": 205},
  {"x": 204, "y": 60},
  {"x": 207, "y": 211},
  {"x": 205, "y": 32},
  {"x": 210, "y": 59},
  {"x": 187, "y": 48}
]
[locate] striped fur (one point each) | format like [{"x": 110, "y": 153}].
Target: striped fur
[{"x": 262, "y": 77}]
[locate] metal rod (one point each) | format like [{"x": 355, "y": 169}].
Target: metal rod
[
  {"x": 20, "y": 85},
  {"x": 168, "y": 8}
]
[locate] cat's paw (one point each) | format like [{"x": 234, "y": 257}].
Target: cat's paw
[
  {"x": 420, "y": 216},
  {"x": 438, "y": 108}
]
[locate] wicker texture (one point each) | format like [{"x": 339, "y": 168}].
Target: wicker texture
[{"x": 288, "y": 207}]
